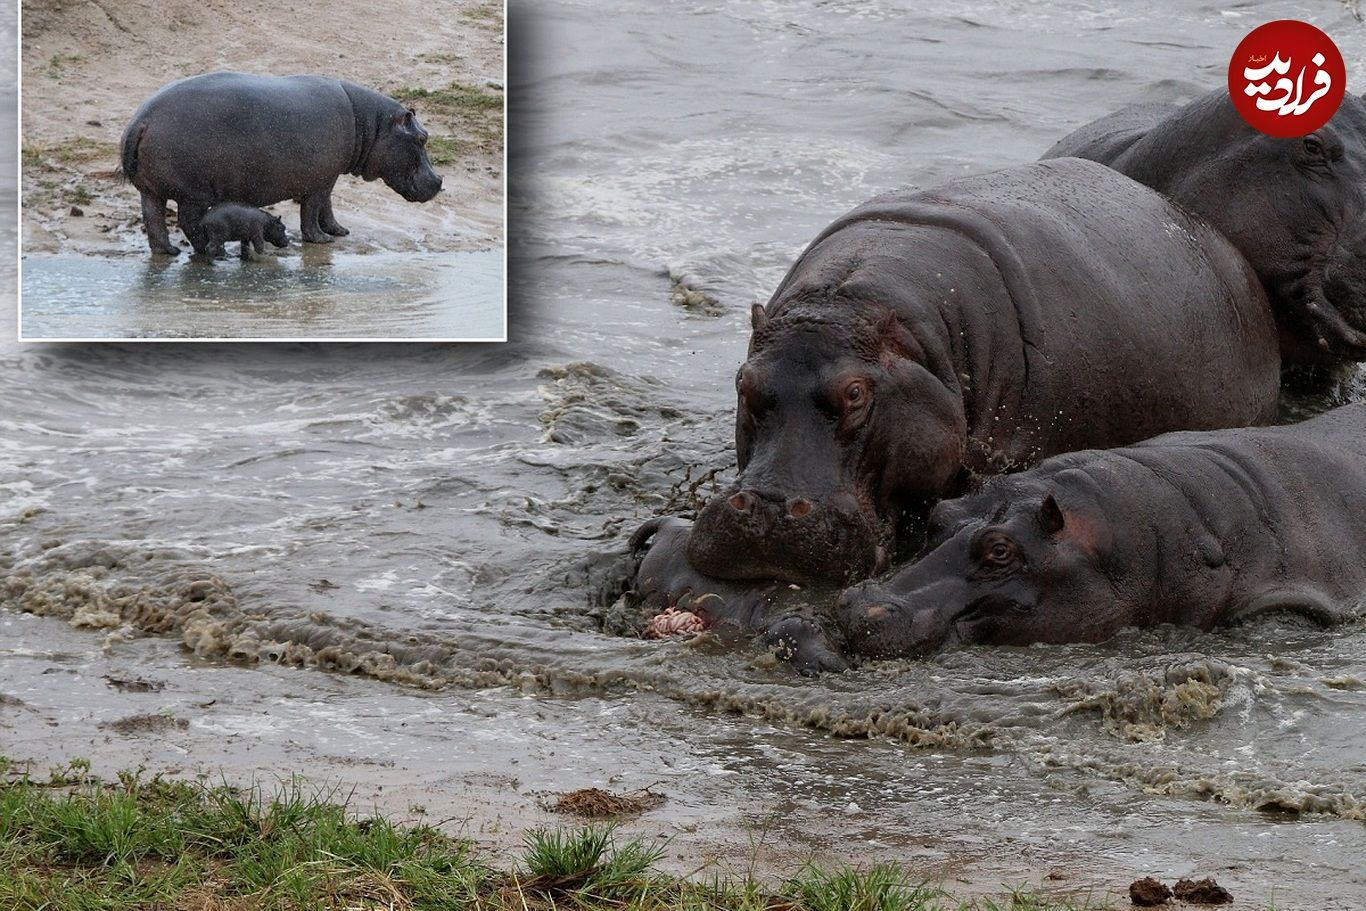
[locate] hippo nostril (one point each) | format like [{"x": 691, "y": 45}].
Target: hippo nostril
[
  {"x": 798, "y": 508},
  {"x": 739, "y": 501}
]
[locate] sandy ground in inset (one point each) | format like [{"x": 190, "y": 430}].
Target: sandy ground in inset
[{"x": 86, "y": 66}]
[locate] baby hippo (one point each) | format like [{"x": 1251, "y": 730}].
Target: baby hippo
[
  {"x": 233, "y": 221},
  {"x": 1196, "y": 528},
  {"x": 682, "y": 600}
]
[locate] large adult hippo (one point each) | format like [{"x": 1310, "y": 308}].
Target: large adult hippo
[
  {"x": 1296, "y": 208},
  {"x": 1188, "y": 528},
  {"x": 974, "y": 328},
  {"x": 258, "y": 140}
]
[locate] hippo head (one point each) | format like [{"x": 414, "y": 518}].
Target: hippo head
[
  {"x": 1296, "y": 208},
  {"x": 1006, "y": 567},
  {"x": 399, "y": 156},
  {"x": 275, "y": 232},
  {"x": 839, "y": 428}
]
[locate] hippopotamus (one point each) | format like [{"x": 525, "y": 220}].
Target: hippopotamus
[
  {"x": 259, "y": 140},
  {"x": 929, "y": 337},
  {"x": 1194, "y": 528},
  {"x": 682, "y": 600},
  {"x": 232, "y": 221},
  {"x": 1296, "y": 208}
]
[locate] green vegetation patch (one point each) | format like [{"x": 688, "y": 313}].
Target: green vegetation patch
[
  {"x": 79, "y": 150},
  {"x": 73, "y": 842},
  {"x": 461, "y": 118}
]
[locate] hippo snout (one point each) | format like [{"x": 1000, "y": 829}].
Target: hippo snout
[
  {"x": 878, "y": 624},
  {"x": 754, "y": 533}
]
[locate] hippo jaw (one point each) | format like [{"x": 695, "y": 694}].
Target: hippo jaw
[{"x": 829, "y": 540}]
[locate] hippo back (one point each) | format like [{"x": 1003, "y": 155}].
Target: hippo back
[{"x": 1073, "y": 306}]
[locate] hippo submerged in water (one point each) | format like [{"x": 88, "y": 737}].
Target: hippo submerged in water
[
  {"x": 968, "y": 329},
  {"x": 1296, "y": 208},
  {"x": 259, "y": 140},
  {"x": 1188, "y": 528},
  {"x": 678, "y": 599}
]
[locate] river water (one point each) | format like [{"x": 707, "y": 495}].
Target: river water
[{"x": 443, "y": 525}]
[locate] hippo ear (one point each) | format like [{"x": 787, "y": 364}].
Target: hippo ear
[
  {"x": 758, "y": 317},
  {"x": 1051, "y": 518},
  {"x": 897, "y": 340},
  {"x": 1082, "y": 526}
]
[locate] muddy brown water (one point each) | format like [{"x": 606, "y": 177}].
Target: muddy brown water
[{"x": 381, "y": 564}]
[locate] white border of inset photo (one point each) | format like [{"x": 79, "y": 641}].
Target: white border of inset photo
[{"x": 134, "y": 209}]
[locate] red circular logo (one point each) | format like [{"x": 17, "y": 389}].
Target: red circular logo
[{"x": 1287, "y": 78}]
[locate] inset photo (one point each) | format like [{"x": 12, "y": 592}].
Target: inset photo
[{"x": 232, "y": 171}]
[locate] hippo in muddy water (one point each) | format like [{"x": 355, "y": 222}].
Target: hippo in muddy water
[
  {"x": 259, "y": 140},
  {"x": 977, "y": 327},
  {"x": 229, "y": 221},
  {"x": 1296, "y": 208},
  {"x": 1188, "y": 528},
  {"x": 681, "y": 600}
]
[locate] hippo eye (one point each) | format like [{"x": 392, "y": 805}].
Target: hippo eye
[
  {"x": 1313, "y": 145},
  {"x": 998, "y": 550},
  {"x": 856, "y": 394}
]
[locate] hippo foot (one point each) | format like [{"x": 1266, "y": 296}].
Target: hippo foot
[
  {"x": 336, "y": 230},
  {"x": 805, "y": 646},
  {"x": 166, "y": 250},
  {"x": 317, "y": 237}
]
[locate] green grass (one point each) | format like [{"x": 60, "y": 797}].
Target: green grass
[
  {"x": 459, "y": 117},
  {"x": 69, "y": 841},
  {"x": 79, "y": 150}
]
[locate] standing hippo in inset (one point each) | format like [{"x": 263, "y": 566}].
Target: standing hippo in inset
[
  {"x": 969, "y": 329},
  {"x": 231, "y": 221},
  {"x": 1188, "y": 528},
  {"x": 1296, "y": 208},
  {"x": 259, "y": 140}
]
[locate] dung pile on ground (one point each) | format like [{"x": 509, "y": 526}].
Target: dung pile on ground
[{"x": 595, "y": 803}]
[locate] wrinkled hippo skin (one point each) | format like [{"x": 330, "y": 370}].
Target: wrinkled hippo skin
[
  {"x": 1296, "y": 208},
  {"x": 230, "y": 221},
  {"x": 1188, "y": 528},
  {"x": 259, "y": 140},
  {"x": 969, "y": 329},
  {"x": 665, "y": 580}
]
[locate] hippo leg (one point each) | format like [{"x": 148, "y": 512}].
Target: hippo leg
[
  {"x": 190, "y": 215},
  {"x": 154, "y": 219},
  {"x": 259, "y": 243},
  {"x": 212, "y": 240},
  {"x": 327, "y": 221},
  {"x": 310, "y": 210}
]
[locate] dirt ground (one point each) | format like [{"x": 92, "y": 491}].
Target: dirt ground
[{"x": 86, "y": 66}]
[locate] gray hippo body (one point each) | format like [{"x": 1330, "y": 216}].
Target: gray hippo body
[
  {"x": 1296, "y": 208},
  {"x": 230, "y": 221},
  {"x": 969, "y": 329},
  {"x": 1188, "y": 528},
  {"x": 259, "y": 140}
]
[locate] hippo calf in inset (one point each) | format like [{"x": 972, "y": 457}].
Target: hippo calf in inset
[
  {"x": 1296, "y": 208},
  {"x": 1188, "y": 528},
  {"x": 230, "y": 221},
  {"x": 973, "y": 328},
  {"x": 259, "y": 140}
]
